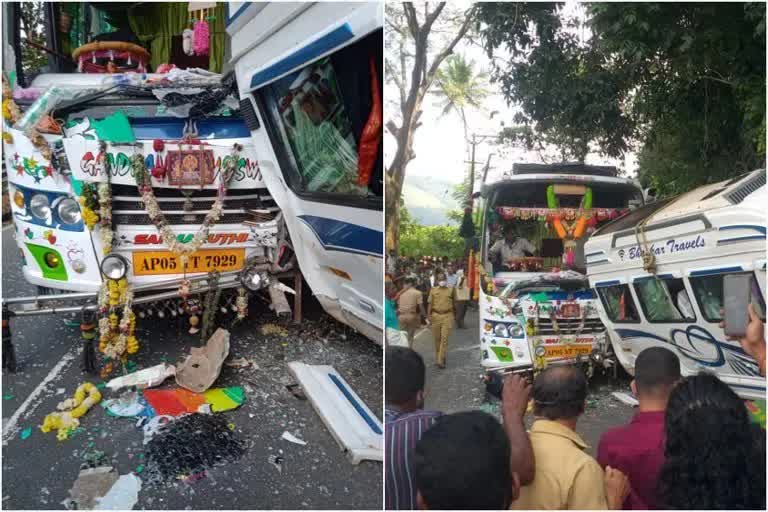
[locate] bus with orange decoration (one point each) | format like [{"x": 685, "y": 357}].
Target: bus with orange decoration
[{"x": 536, "y": 306}]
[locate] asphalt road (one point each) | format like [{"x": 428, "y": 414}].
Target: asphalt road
[
  {"x": 459, "y": 387},
  {"x": 38, "y": 471}
]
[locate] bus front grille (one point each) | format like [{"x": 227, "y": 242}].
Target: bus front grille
[
  {"x": 570, "y": 326},
  {"x": 190, "y": 205}
]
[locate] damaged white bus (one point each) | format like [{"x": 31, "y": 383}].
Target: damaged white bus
[
  {"x": 658, "y": 273},
  {"x": 136, "y": 193}
]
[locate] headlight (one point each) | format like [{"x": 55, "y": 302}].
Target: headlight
[
  {"x": 52, "y": 260},
  {"x": 114, "y": 266},
  {"x": 40, "y": 206},
  {"x": 69, "y": 211},
  {"x": 254, "y": 280},
  {"x": 500, "y": 330},
  {"x": 515, "y": 330},
  {"x": 18, "y": 199}
]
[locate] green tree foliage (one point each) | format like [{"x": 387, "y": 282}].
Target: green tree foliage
[
  {"x": 32, "y": 24},
  {"x": 417, "y": 240},
  {"x": 459, "y": 87},
  {"x": 682, "y": 83}
]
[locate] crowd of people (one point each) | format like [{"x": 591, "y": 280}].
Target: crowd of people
[
  {"x": 691, "y": 445},
  {"x": 428, "y": 292}
]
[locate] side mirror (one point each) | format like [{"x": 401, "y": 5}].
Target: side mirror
[{"x": 649, "y": 195}]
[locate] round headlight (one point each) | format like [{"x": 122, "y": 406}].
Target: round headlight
[
  {"x": 40, "y": 206},
  {"x": 18, "y": 199},
  {"x": 254, "y": 280},
  {"x": 500, "y": 330},
  {"x": 114, "y": 266},
  {"x": 52, "y": 260},
  {"x": 69, "y": 211},
  {"x": 78, "y": 266},
  {"x": 515, "y": 330}
]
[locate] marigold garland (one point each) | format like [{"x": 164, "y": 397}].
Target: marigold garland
[
  {"x": 169, "y": 237},
  {"x": 116, "y": 331},
  {"x": 89, "y": 204}
]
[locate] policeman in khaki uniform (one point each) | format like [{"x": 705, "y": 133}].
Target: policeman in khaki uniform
[{"x": 440, "y": 313}]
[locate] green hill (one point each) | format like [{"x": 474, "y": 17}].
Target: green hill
[{"x": 428, "y": 199}]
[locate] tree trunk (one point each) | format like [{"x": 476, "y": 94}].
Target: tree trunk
[
  {"x": 422, "y": 75},
  {"x": 392, "y": 213}
]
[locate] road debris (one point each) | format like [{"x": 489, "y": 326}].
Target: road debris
[
  {"x": 91, "y": 484},
  {"x": 293, "y": 439},
  {"x": 241, "y": 362},
  {"x": 146, "y": 378},
  {"x": 202, "y": 367},
  {"x": 296, "y": 391},
  {"x": 354, "y": 426},
  {"x": 178, "y": 401},
  {"x": 189, "y": 445},
  {"x": 123, "y": 494},
  {"x": 153, "y": 425},
  {"x": 274, "y": 329},
  {"x": 625, "y": 398},
  {"x": 66, "y": 422},
  {"x": 129, "y": 405},
  {"x": 276, "y": 461}
]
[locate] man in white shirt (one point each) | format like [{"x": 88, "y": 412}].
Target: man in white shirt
[
  {"x": 450, "y": 275},
  {"x": 511, "y": 246},
  {"x": 462, "y": 297}
]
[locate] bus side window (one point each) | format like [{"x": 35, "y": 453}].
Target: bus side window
[
  {"x": 709, "y": 295},
  {"x": 664, "y": 300},
  {"x": 618, "y": 303},
  {"x": 319, "y": 113}
]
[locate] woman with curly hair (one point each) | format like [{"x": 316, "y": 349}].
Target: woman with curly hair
[{"x": 715, "y": 456}]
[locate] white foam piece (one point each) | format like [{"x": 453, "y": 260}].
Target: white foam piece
[
  {"x": 625, "y": 398},
  {"x": 357, "y": 430}
]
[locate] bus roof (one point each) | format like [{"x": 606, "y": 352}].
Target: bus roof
[
  {"x": 716, "y": 195},
  {"x": 557, "y": 177},
  {"x": 565, "y": 168}
]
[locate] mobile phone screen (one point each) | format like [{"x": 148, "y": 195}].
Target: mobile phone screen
[{"x": 736, "y": 292}]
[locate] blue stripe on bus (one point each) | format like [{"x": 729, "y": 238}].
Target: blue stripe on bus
[
  {"x": 714, "y": 271},
  {"x": 358, "y": 407},
  {"x": 646, "y": 278},
  {"x": 759, "y": 229},
  {"x": 237, "y": 13},
  {"x": 602, "y": 284},
  {"x": 310, "y": 52},
  {"x": 170, "y": 128},
  {"x": 337, "y": 235},
  {"x": 725, "y": 241}
]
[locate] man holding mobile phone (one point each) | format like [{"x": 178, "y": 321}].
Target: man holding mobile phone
[{"x": 753, "y": 341}]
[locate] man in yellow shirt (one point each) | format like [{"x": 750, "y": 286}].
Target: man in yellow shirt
[
  {"x": 410, "y": 309},
  {"x": 566, "y": 477},
  {"x": 440, "y": 314}
]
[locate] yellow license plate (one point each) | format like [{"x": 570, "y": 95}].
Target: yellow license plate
[
  {"x": 149, "y": 263},
  {"x": 558, "y": 352}
]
